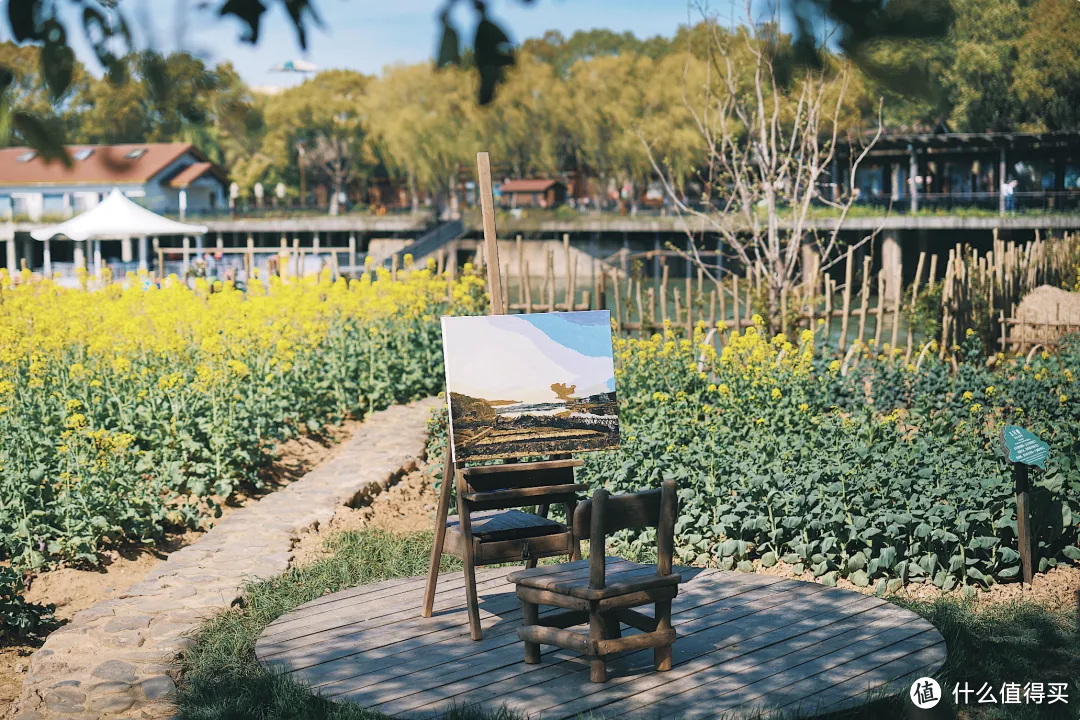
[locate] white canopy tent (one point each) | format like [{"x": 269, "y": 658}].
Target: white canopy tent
[{"x": 115, "y": 218}]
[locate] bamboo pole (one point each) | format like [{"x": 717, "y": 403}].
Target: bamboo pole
[
  {"x": 664, "y": 295},
  {"x": 572, "y": 287},
  {"x": 914, "y": 299},
  {"x": 879, "y": 316},
  {"x": 528, "y": 290},
  {"x": 735, "y": 300},
  {"x": 896, "y": 314},
  {"x": 551, "y": 281},
  {"x": 678, "y": 307},
  {"x": 521, "y": 271},
  {"x": 641, "y": 308},
  {"x": 689, "y": 308},
  {"x": 618, "y": 303},
  {"x": 568, "y": 295},
  {"x": 848, "y": 279},
  {"x": 864, "y": 304}
]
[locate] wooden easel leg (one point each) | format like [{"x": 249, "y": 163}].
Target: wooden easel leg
[
  {"x": 440, "y": 533},
  {"x": 662, "y": 655},
  {"x": 575, "y": 544},
  {"x": 597, "y": 632},
  {"x": 531, "y": 616},
  {"x": 542, "y": 511},
  {"x": 465, "y": 521}
]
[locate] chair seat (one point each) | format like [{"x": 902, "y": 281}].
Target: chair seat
[{"x": 572, "y": 579}]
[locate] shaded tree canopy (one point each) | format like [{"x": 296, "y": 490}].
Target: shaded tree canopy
[{"x": 566, "y": 103}]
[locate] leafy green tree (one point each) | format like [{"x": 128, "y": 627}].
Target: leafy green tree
[
  {"x": 325, "y": 117},
  {"x": 1046, "y": 81}
]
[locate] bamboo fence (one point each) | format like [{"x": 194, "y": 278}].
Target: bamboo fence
[{"x": 976, "y": 291}]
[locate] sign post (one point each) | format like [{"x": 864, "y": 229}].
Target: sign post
[{"x": 1024, "y": 449}]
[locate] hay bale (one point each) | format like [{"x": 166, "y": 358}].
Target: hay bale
[{"x": 1046, "y": 312}]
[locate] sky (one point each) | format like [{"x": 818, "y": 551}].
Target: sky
[
  {"x": 366, "y": 35},
  {"x": 519, "y": 357}
]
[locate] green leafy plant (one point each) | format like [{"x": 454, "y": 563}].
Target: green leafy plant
[{"x": 19, "y": 619}]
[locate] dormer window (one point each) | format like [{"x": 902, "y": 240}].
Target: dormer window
[
  {"x": 84, "y": 153},
  {"x": 135, "y": 154},
  {"x": 27, "y": 156}
]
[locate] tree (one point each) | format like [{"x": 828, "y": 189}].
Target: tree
[
  {"x": 38, "y": 22},
  {"x": 325, "y": 116},
  {"x": 1046, "y": 81},
  {"x": 425, "y": 125},
  {"x": 764, "y": 147}
]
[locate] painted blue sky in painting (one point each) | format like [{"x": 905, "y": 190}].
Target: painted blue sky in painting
[{"x": 519, "y": 357}]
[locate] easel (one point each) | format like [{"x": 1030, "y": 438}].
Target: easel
[{"x": 498, "y": 533}]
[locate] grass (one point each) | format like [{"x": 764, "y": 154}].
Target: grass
[{"x": 221, "y": 680}]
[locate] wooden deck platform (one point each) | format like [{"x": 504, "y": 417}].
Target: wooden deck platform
[{"x": 744, "y": 641}]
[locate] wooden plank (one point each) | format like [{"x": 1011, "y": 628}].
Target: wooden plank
[
  {"x": 470, "y": 472},
  {"x": 380, "y": 663},
  {"x": 804, "y": 691},
  {"x": 487, "y": 211},
  {"x": 523, "y": 494},
  {"x": 704, "y": 616},
  {"x": 738, "y": 632},
  {"x": 403, "y": 664},
  {"x": 681, "y": 697},
  {"x": 743, "y": 594},
  {"x": 480, "y": 672}
]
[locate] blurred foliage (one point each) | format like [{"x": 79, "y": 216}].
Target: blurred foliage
[{"x": 545, "y": 105}]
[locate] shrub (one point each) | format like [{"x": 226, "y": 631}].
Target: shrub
[
  {"x": 885, "y": 475},
  {"x": 125, "y": 411},
  {"x": 21, "y": 620}
]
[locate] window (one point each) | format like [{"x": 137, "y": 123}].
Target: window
[
  {"x": 27, "y": 156},
  {"x": 84, "y": 153},
  {"x": 135, "y": 154},
  {"x": 52, "y": 204}
]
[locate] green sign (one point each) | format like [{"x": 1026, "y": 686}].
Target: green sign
[{"x": 1023, "y": 446}]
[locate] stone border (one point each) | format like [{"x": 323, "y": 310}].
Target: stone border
[{"x": 113, "y": 659}]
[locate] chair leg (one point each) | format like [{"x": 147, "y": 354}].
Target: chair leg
[
  {"x": 662, "y": 655},
  {"x": 440, "y": 535},
  {"x": 542, "y": 511},
  {"x": 597, "y": 632},
  {"x": 471, "y": 598},
  {"x": 531, "y": 616},
  {"x": 575, "y": 544}
]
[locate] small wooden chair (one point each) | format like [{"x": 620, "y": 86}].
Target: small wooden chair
[
  {"x": 488, "y": 530},
  {"x": 604, "y": 591}
]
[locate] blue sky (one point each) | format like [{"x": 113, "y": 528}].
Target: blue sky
[{"x": 367, "y": 35}]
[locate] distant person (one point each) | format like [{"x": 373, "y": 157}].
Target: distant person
[{"x": 1007, "y": 191}]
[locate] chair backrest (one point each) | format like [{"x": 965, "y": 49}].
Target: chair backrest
[{"x": 605, "y": 514}]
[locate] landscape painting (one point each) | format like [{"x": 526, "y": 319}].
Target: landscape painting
[{"x": 527, "y": 385}]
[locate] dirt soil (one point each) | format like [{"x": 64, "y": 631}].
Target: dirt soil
[
  {"x": 73, "y": 589},
  {"x": 406, "y": 506}
]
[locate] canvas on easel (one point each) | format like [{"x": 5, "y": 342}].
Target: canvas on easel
[
  {"x": 518, "y": 386},
  {"x": 529, "y": 385}
]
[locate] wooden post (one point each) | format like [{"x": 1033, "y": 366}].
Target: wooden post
[
  {"x": 352, "y": 252},
  {"x": 491, "y": 246},
  {"x": 296, "y": 255},
  {"x": 618, "y": 305},
  {"x": 864, "y": 305},
  {"x": 1025, "y": 537},
  {"x": 914, "y": 298},
  {"x": 879, "y": 317},
  {"x": 450, "y": 474},
  {"x": 250, "y": 258},
  {"x": 848, "y": 279},
  {"x": 896, "y": 314},
  {"x": 522, "y": 279},
  {"x": 568, "y": 294},
  {"x": 528, "y": 289}
]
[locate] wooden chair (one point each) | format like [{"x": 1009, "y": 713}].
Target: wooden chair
[
  {"x": 604, "y": 591},
  {"x": 487, "y": 530}
]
